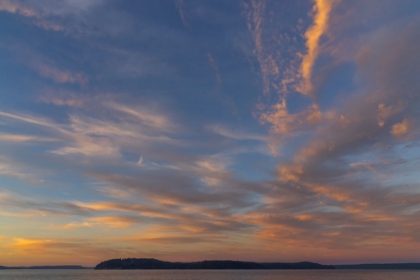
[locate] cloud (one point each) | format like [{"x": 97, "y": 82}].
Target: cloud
[
  {"x": 159, "y": 186},
  {"x": 16, "y": 7},
  {"x": 79, "y": 143},
  {"x": 124, "y": 128},
  {"x": 88, "y": 146},
  {"x": 48, "y": 25},
  {"x": 213, "y": 65},
  {"x": 283, "y": 70},
  {"x": 27, "y": 119},
  {"x": 23, "y": 138},
  {"x": 113, "y": 192},
  {"x": 119, "y": 221},
  {"x": 284, "y": 123},
  {"x": 176, "y": 217},
  {"x": 143, "y": 184},
  {"x": 180, "y": 4},
  {"x": 213, "y": 169},
  {"x": 401, "y": 129},
  {"x": 46, "y": 8},
  {"x": 74, "y": 225},
  {"x": 37, "y": 16},
  {"x": 313, "y": 35},
  {"x": 62, "y": 98},
  {"x": 255, "y": 19},
  {"x": 171, "y": 240},
  {"x": 54, "y": 250},
  {"x": 384, "y": 112},
  {"x": 41, "y": 207},
  {"x": 45, "y": 64},
  {"x": 13, "y": 169},
  {"x": 344, "y": 184},
  {"x": 83, "y": 5},
  {"x": 146, "y": 116},
  {"x": 23, "y": 242},
  {"x": 235, "y": 134},
  {"x": 49, "y": 71}
]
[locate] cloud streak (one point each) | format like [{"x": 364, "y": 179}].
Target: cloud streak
[{"x": 322, "y": 10}]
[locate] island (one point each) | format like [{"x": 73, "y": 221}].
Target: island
[{"x": 143, "y": 263}]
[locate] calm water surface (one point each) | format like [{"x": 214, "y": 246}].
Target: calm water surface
[{"x": 209, "y": 275}]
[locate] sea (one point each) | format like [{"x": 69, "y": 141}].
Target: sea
[{"x": 87, "y": 274}]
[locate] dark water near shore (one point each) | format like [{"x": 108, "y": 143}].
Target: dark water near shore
[{"x": 209, "y": 275}]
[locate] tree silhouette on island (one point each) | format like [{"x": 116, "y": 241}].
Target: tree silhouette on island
[{"x": 132, "y": 263}]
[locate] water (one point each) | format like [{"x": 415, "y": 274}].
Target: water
[{"x": 209, "y": 275}]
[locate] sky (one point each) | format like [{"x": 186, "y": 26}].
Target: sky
[{"x": 184, "y": 130}]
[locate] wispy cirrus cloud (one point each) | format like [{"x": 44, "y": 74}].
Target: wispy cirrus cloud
[
  {"x": 255, "y": 11},
  {"x": 44, "y": 64},
  {"x": 62, "y": 98},
  {"x": 8, "y": 137},
  {"x": 180, "y": 4},
  {"x": 235, "y": 134},
  {"x": 92, "y": 136},
  {"x": 14, "y": 169},
  {"x": 146, "y": 116},
  {"x": 56, "y": 74}
]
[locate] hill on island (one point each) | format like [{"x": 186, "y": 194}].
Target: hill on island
[{"x": 133, "y": 263}]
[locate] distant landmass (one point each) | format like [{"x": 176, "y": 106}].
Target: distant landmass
[
  {"x": 133, "y": 263},
  {"x": 380, "y": 266},
  {"x": 225, "y": 264},
  {"x": 45, "y": 267}
]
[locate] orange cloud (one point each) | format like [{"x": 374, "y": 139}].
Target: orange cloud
[
  {"x": 304, "y": 217},
  {"x": 336, "y": 193},
  {"x": 23, "y": 242},
  {"x": 285, "y": 123},
  {"x": 116, "y": 221},
  {"x": 74, "y": 225},
  {"x": 312, "y": 35},
  {"x": 290, "y": 173},
  {"x": 401, "y": 129}
]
